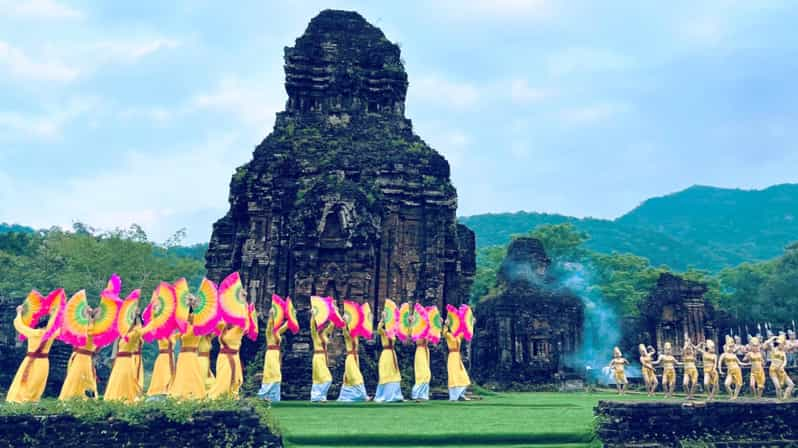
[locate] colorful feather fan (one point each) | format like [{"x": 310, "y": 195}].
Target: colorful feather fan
[
  {"x": 114, "y": 285},
  {"x": 252, "y": 322},
  {"x": 353, "y": 315},
  {"x": 182, "y": 310},
  {"x": 435, "y": 324},
  {"x": 232, "y": 301},
  {"x": 391, "y": 317},
  {"x": 57, "y": 309},
  {"x": 321, "y": 307},
  {"x": 127, "y": 313},
  {"x": 106, "y": 329},
  {"x": 367, "y": 329},
  {"x": 335, "y": 316},
  {"x": 293, "y": 323},
  {"x": 404, "y": 327},
  {"x": 467, "y": 317},
  {"x": 455, "y": 320},
  {"x": 420, "y": 326},
  {"x": 160, "y": 313},
  {"x": 35, "y": 306},
  {"x": 206, "y": 313},
  {"x": 77, "y": 319}
]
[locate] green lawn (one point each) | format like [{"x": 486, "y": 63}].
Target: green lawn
[{"x": 509, "y": 420}]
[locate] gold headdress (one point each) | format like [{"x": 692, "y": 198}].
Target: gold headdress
[
  {"x": 617, "y": 352},
  {"x": 710, "y": 345}
]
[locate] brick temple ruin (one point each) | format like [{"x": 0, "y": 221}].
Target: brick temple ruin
[
  {"x": 342, "y": 198},
  {"x": 528, "y": 328}
]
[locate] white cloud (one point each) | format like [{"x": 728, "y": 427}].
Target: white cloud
[
  {"x": 592, "y": 114},
  {"x": 452, "y": 144},
  {"x": 437, "y": 90},
  {"x": 498, "y": 9},
  {"x": 157, "y": 192},
  {"x": 38, "y": 9},
  {"x": 130, "y": 51},
  {"x": 707, "y": 31},
  {"x": 586, "y": 60},
  {"x": 254, "y": 102},
  {"x": 48, "y": 124},
  {"x": 522, "y": 93},
  {"x": 20, "y": 65}
]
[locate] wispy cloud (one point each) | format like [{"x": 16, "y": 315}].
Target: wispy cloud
[
  {"x": 252, "y": 101},
  {"x": 38, "y": 9},
  {"x": 586, "y": 60},
  {"x": 522, "y": 93},
  {"x": 593, "y": 113},
  {"x": 48, "y": 124},
  {"x": 514, "y": 10},
  {"x": 129, "y": 51},
  {"x": 434, "y": 89},
  {"x": 20, "y": 65}
]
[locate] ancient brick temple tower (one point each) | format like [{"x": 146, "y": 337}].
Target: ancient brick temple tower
[
  {"x": 677, "y": 306},
  {"x": 527, "y": 329},
  {"x": 342, "y": 198}
]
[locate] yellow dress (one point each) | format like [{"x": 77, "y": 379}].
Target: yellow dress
[
  {"x": 204, "y": 354},
  {"x": 321, "y": 373},
  {"x": 31, "y": 377},
  {"x": 710, "y": 370},
  {"x": 690, "y": 369},
  {"x": 668, "y": 370},
  {"x": 123, "y": 384},
  {"x": 458, "y": 377},
  {"x": 421, "y": 362},
  {"x": 388, "y": 364},
  {"x": 188, "y": 382},
  {"x": 757, "y": 369},
  {"x": 352, "y": 374},
  {"x": 163, "y": 371},
  {"x": 649, "y": 375},
  {"x": 777, "y": 362},
  {"x": 619, "y": 371},
  {"x": 734, "y": 371},
  {"x": 271, "y": 361},
  {"x": 81, "y": 375},
  {"x": 229, "y": 375}
]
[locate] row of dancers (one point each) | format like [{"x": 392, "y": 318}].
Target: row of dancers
[
  {"x": 753, "y": 356},
  {"x": 190, "y": 377}
]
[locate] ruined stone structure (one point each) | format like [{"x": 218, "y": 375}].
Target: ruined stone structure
[
  {"x": 677, "y": 306},
  {"x": 527, "y": 329},
  {"x": 342, "y": 198}
]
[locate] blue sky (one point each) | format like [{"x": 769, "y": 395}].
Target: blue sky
[{"x": 115, "y": 113}]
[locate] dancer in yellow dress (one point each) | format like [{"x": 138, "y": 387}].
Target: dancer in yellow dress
[
  {"x": 81, "y": 376},
  {"x": 124, "y": 383},
  {"x": 710, "y": 361},
  {"x": 31, "y": 377},
  {"x": 188, "y": 383},
  {"x": 734, "y": 375},
  {"x": 389, "y": 387},
  {"x": 353, "y": 387},
  {"x": 617, "y": 365},
  {"x": 690, "y": 380},
  {"x": 669, "y": 364},
  {"x": 777, "y": 369},
  {"x": 757, "y": 361},
  {"x": 422, "y": 371},
  {"x": 649, "y": 374},
  {"x": 458, "y": 377},
  {"x": 229, "y": 375},
  {"x": 322, "y": 378},
  {"x": 204, "y": 355},
  {"x": 272, "y": 373},
  {"x": 163, "y": 371}
]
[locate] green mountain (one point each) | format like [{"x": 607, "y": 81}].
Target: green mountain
[{"x": 702, "y": 227}]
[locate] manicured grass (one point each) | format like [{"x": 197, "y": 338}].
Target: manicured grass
[{"x": 509, "y": 420}]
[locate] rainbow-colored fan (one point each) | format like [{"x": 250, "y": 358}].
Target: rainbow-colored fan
[
  {"x": 159, "y": 314},
  {"x": 106, "y": 329},
  {"x": 322, "y": 309},
  {"x": 206, "y": 313},
  {"x": 420, "y": 326},
  {"x": 279, "y": 311},
  {"x": 404, "y": 328},
  {"x": 252, "y": 322},
  {"x": 57, "y": 309},
  {"x": 293, "y": 323},
  {"x": 232, "y": 301},
  {"x": 367, "y": 329},
  {"x": 182, "y": 310},
  {"x": 455, "y": 320},
  {"x": 391, "y": 318},
  {"x": 77, "y": 319},
  {"x": 35, "y": 306},
  {"x": 467, "y": 317},
  {"x": 127, "y": 313},
  {"x": 114, "y": 285},
  {"x": 353, "y": 316},
  {"x": 435, "y": 324}
]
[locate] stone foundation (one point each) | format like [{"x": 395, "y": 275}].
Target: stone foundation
[
  {"x": 240, "y": 428},
  {"x": 714, "y": 424}
]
